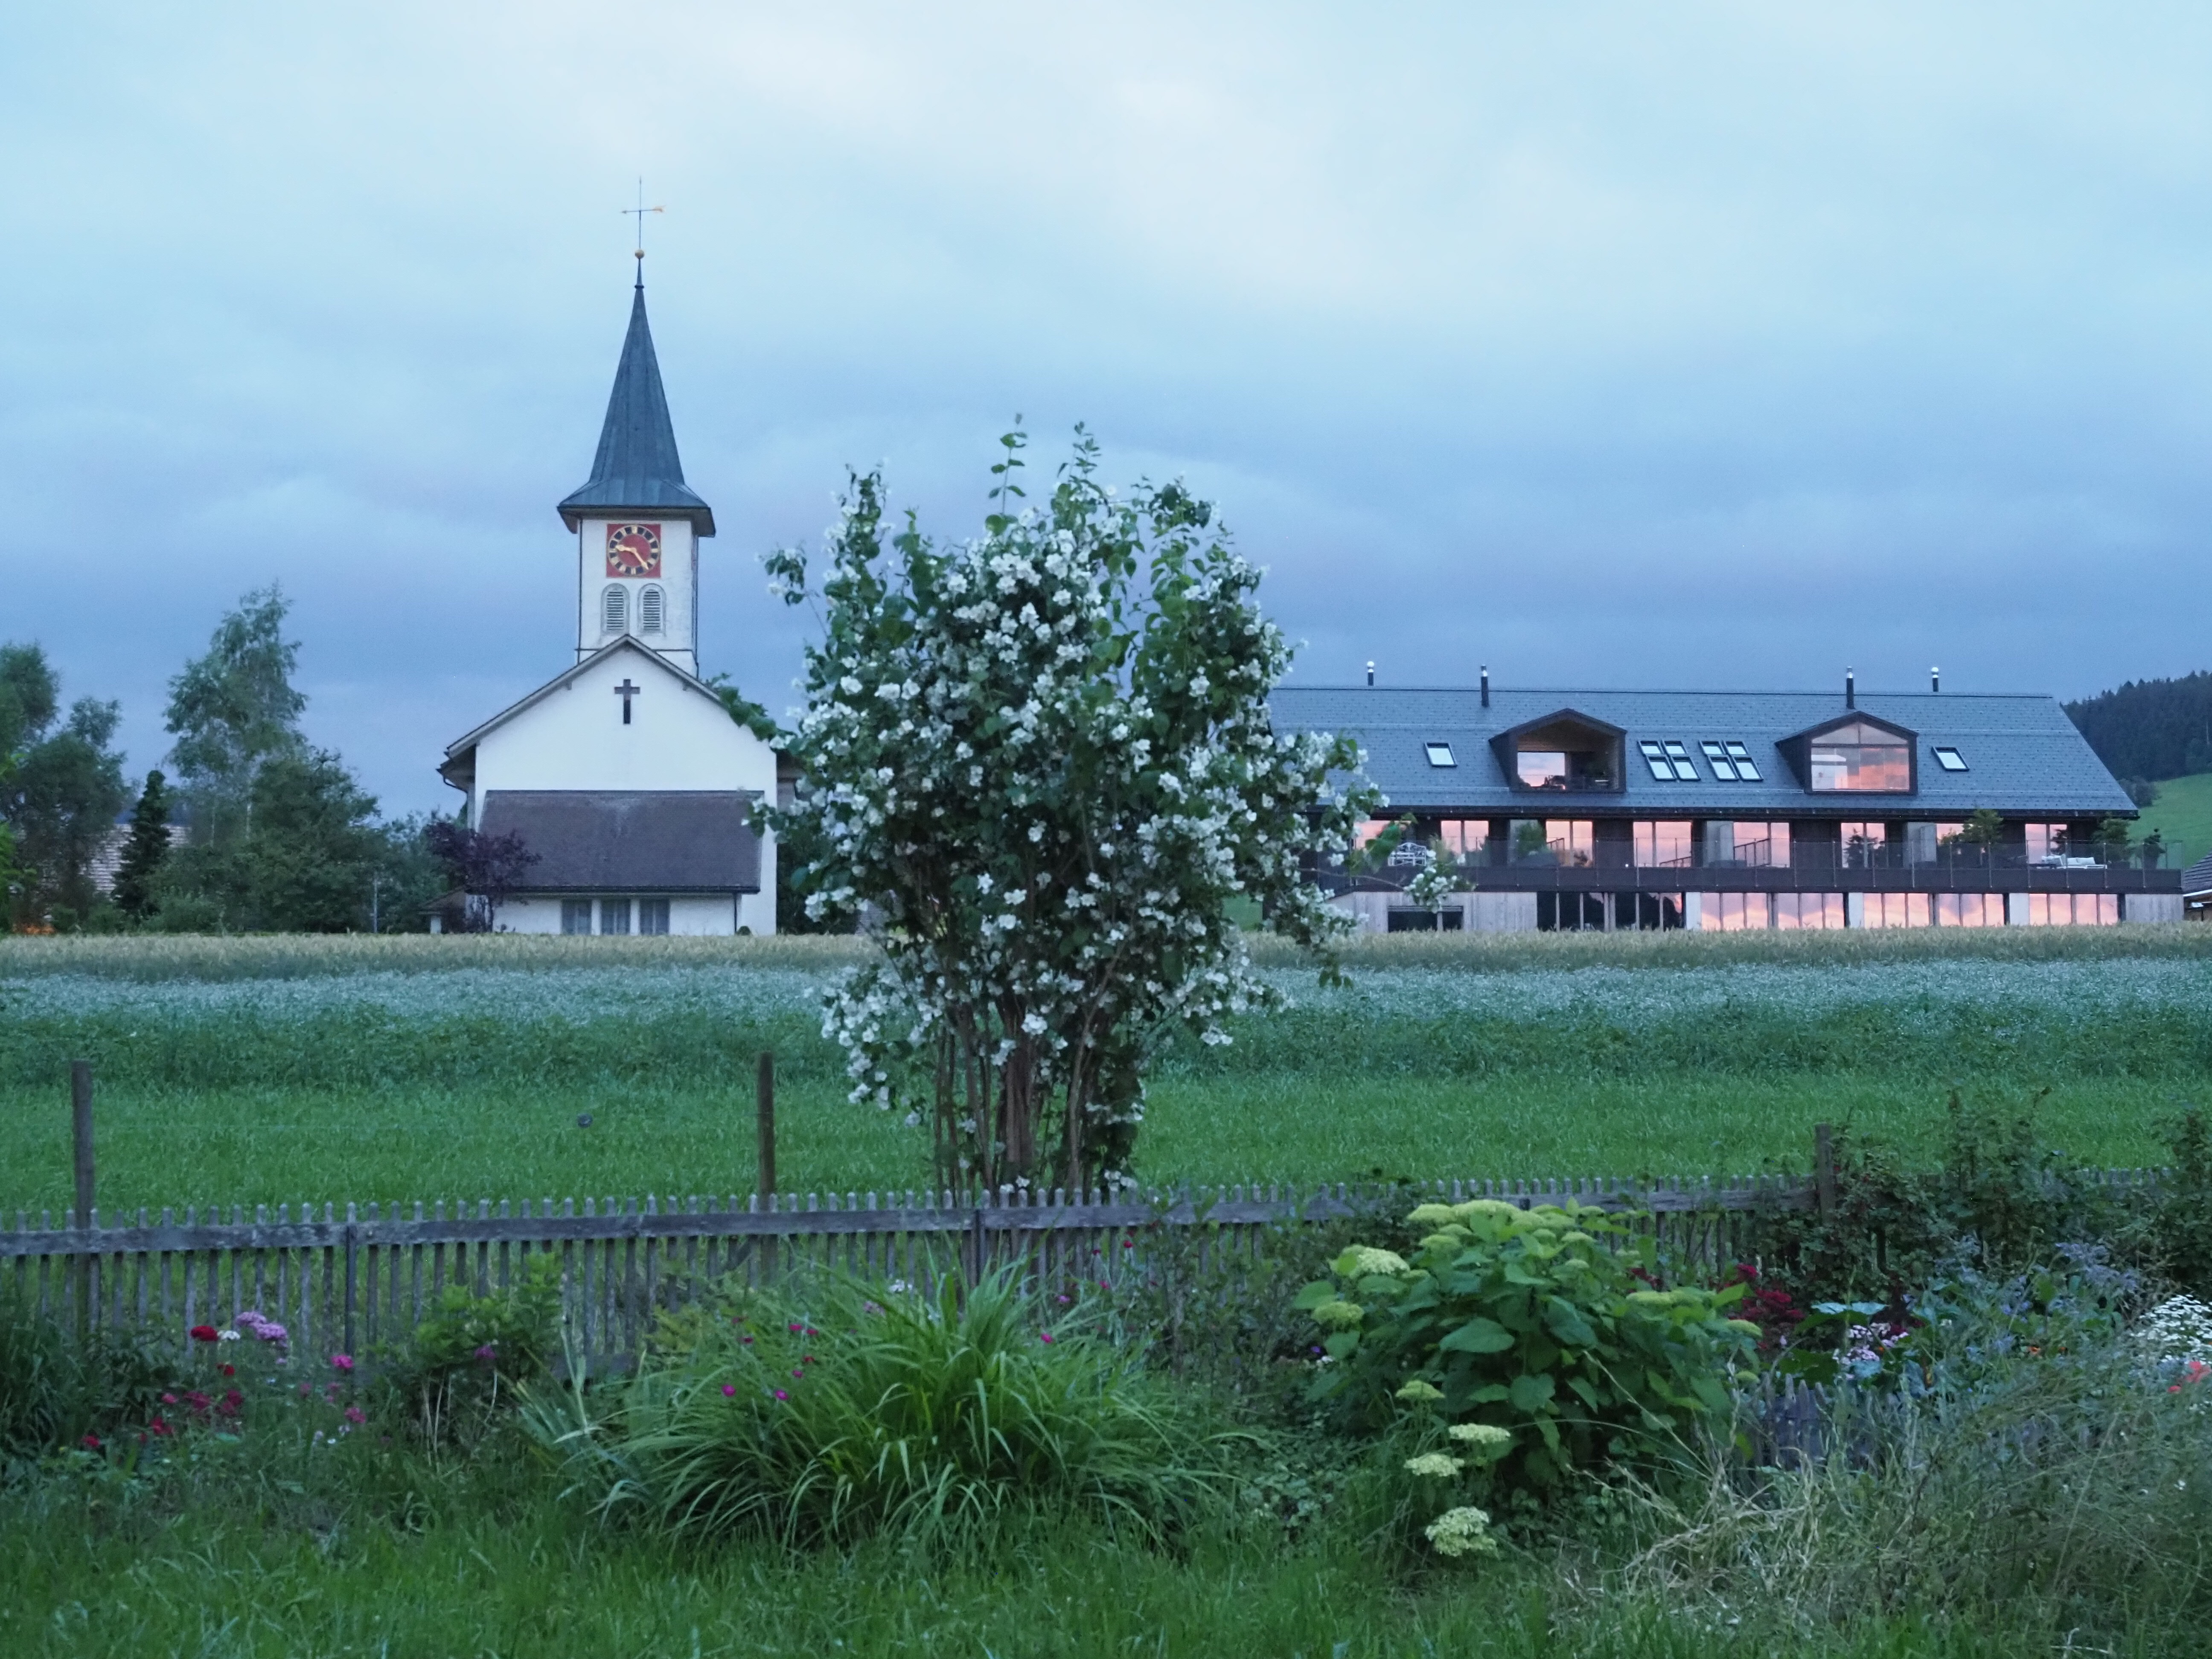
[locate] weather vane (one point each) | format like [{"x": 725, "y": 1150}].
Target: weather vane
[{"x": 639, "y": 213}]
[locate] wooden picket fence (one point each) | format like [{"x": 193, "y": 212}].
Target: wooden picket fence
[{"x": 361, "y": 1276}]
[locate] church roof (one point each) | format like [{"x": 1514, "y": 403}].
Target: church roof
[
  {"x": 636, "y": 470},
  {"x": 630, "y": 841}
]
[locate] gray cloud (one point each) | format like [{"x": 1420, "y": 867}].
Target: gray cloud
[{"x": 1721, "y": 345}]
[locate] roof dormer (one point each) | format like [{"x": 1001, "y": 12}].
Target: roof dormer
[
  {"x": 1855, "y": 753},
  {"x": 1563, "y": 751}
]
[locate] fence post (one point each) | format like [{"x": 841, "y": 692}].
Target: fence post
[
  {"x": 352, "y": 1269},
  {"x": 764, "y": 1106},
  {"x": 1824, "y": 1170},
  {"x": 765, "y": 1100},
  {"x": 81, "y": 1127}
]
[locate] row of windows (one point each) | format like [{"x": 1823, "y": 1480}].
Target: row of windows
[
  {"x": 1674, "y": 844},
  {"x": 1851, "y": 757},
  {"x": 614, "y": 610},
  {"x": 1735, "y": 912},
  {"x": 614, "y": 915},
  {"x": 1670, "y": 761}
]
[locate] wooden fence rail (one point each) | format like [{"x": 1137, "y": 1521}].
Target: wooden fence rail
[{"x": 359, "y": 1276}]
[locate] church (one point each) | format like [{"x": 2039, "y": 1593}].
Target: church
[{"x": 624, "y": 776}]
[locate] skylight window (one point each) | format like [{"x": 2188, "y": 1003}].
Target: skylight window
[
  {"x": 1949, "y": 758},
  {"x": 1440, "y": 754},
  {"x": 1669, "y": 761},
  {"x": 1730, "y": 761}
]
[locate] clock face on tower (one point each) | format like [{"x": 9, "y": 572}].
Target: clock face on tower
[{"x": 633, "y": 549}]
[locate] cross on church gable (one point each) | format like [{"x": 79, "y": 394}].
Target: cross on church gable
[{"x": 626, "y": 691}]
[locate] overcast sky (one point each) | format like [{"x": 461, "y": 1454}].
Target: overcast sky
[{"x": 1696, "y": 345}]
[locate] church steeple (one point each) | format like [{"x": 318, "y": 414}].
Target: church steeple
[
  {"x": 636, "y": 470},
  {"x": 637, "y": 523}
]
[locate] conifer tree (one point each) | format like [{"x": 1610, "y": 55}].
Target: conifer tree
[{"x": 144, "y": 850}]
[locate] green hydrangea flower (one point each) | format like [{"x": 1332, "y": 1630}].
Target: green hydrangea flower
[
  {"x": 1362, "y": 1260},
  {"x": 1483, "y": 1437},
  {"x": 1418, "y": 1393},
  {"x": 1436, "y": 1465},
  {"x": 1461, "y": 1532},
  {"x": 1340, "y": 1314}
]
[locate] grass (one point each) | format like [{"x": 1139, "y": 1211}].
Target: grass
[
  {"x": 215, "y": 1587},
  {"x": 267, "y": 1071},
  {"x": 2183, "y": 814}
]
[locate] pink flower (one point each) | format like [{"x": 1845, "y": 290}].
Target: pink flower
[
  {"x": 343, "y": 1361},
  {"x": 204, "y": 1333},
  {"x": 795, "y": 1372},
  {"x": 157, "y": 1426},
  {"x": 488, "y": 1354},
  {"x": 306, "y": 1388},
  {"x": 780, "y": 1395},
  {"x": 1044, "y": 1336},
  {"x": 91, "y": 1443},
  {"x": 169, "y": 1400},
  {"x": 729, "y": 1390},
  {"x": 354, "y": 1415},
  {"x": 749, "y": 1341}
]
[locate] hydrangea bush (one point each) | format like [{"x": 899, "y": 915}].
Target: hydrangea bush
[
  {"x": 1543, "y": 1324},
  {"x": 1043, "y": 759}
]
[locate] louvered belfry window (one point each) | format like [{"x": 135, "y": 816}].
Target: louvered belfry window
[
  {"x": 614, "y": 610},
  {"x": 650, "y": 607}
]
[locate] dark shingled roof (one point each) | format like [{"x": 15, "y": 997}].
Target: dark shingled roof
[
  {"x": 630, "y": 840},
  {"x": 2196, "y": 879},
  {"x": 2023, "y": 755},
  {"x": 636, "y": 470}
]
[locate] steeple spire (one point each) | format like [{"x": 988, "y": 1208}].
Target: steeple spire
[{"x": 636, "y": 470}]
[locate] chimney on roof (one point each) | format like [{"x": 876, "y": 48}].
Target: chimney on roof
[
  {"x": 1371, "y": 671},
  {"x": 1935, "y": 679},
  {"x": 1486, "y": 685},
  {"x": 1850, "y": 689}
]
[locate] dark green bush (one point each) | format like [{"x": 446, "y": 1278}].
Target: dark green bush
[
  {"x": 1546, "y": 1323},
  {"x": 464, "y": 1362},
  {"x": 56, "y": 1389},
  {"x": 839, "y": 1411}
]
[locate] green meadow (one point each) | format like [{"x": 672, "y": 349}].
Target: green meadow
[{"x": 253, "y": 1071}]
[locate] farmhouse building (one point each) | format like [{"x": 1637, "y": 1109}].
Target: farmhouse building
[
  {"x": 624, "y": 776},
  {"x": 1736, "y": 810}
]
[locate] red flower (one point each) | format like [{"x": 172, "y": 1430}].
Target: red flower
[
  {"x": 198, "y": 1401},
  {"x": 228, "y": 1405},
  {"x": 205, "y": 1334},
  {"x": 91, "y": 1443},
  {"x": 157, "y": 1426},
  {"x": 228, "y": 1371}
]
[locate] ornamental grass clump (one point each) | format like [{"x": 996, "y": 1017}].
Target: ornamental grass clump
[
  {"x": 843, "y": 1411},
  {"x": 1545, "y": 1324}
]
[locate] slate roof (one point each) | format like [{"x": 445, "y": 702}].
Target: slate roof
[
  {"x": 630, "y": 841},
  {"x": 636, "y": 470},
  {"x": 2196, "y": 879},
  {"x": 2024, "y": 755}
]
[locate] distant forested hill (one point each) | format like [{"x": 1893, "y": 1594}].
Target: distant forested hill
[{"x": 2150, "y": 728}]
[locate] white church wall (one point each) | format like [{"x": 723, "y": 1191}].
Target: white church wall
[
  {"x": 678, "y": 581},
  {"x": 678, "y": 739}
]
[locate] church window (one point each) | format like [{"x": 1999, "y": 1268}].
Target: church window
[
  {"x": 576, "y": 915},
  {"x": 652, "y": 916},
  {"x": 650, "y": 605},
  {"x": 614, "y": 915},
  {"x": 614, "y": 610}
]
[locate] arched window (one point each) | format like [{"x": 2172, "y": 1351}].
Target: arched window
[
  {"x": 614, "y": 610},
  {"x": 649, "y": 608}
]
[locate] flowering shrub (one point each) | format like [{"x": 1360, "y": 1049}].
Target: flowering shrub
[
  {"x": 1044, "y": 757},
  {"x": 1530, "y": 1321}
]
